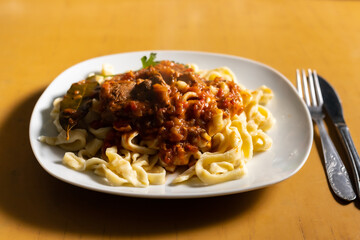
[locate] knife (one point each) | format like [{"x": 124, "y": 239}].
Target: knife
[{"x": 333, "y": 107}]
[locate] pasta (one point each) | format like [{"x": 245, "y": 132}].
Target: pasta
[{"x": 137, "y": 126}]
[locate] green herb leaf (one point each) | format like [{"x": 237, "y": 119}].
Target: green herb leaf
[
  {"x": 77, "y": 102},
  {"x": 149, "y": 62}
]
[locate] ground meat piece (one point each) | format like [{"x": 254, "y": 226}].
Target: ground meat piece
[
  {"x": 161, "y": 94},
  {"x": 117, "y": 99},
  {"x": 142, "y": 91},
  {"x": 188, "y": 77},
  {"x": 117, "y": 91}
]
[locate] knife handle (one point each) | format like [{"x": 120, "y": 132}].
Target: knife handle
[
  {"x": 351, "y": 152},
  {"x": 335, "y": 170}
]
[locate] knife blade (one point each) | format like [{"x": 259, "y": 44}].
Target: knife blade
[{"x": 334, "y": 110}]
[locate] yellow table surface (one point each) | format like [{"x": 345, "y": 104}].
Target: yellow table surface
[{"x": 39, "y": 39}]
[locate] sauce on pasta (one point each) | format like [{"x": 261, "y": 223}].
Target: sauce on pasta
[{"x": 168, "y": 103}]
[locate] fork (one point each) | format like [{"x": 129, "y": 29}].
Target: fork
[{"x": 335, "y": 169}]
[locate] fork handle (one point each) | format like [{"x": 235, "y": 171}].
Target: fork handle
[
  {"x": 336, "y": 172},
  {"x": 351, "y": 152}
]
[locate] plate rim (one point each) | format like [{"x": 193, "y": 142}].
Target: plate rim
[{"x": 173, "y": 195}]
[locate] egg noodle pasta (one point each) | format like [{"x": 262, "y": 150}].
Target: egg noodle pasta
[{"x": 140, "y": 125}]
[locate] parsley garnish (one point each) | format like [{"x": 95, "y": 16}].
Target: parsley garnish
[{"x": 149, "y": 62}]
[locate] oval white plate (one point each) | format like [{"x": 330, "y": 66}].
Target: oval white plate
[{"x": 292, "y": 133}]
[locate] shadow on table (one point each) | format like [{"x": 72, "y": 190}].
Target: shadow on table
[{"x": 32, "y": 196}]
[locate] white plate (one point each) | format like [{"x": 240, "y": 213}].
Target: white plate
[{"x": 292, "y": 133}]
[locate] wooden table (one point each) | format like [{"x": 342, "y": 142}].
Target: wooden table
[{"x": 39, "y": 39}]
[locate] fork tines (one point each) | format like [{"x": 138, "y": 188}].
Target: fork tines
[{"x": 306, "y": 84}]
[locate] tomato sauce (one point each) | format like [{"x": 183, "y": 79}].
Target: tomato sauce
[{"x": 151, "y": 102}]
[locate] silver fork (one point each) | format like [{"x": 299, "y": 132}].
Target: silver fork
[{"x": 335, "y": 169}]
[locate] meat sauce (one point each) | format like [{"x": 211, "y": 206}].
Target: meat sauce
[{"x": 151, "y": 102}]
